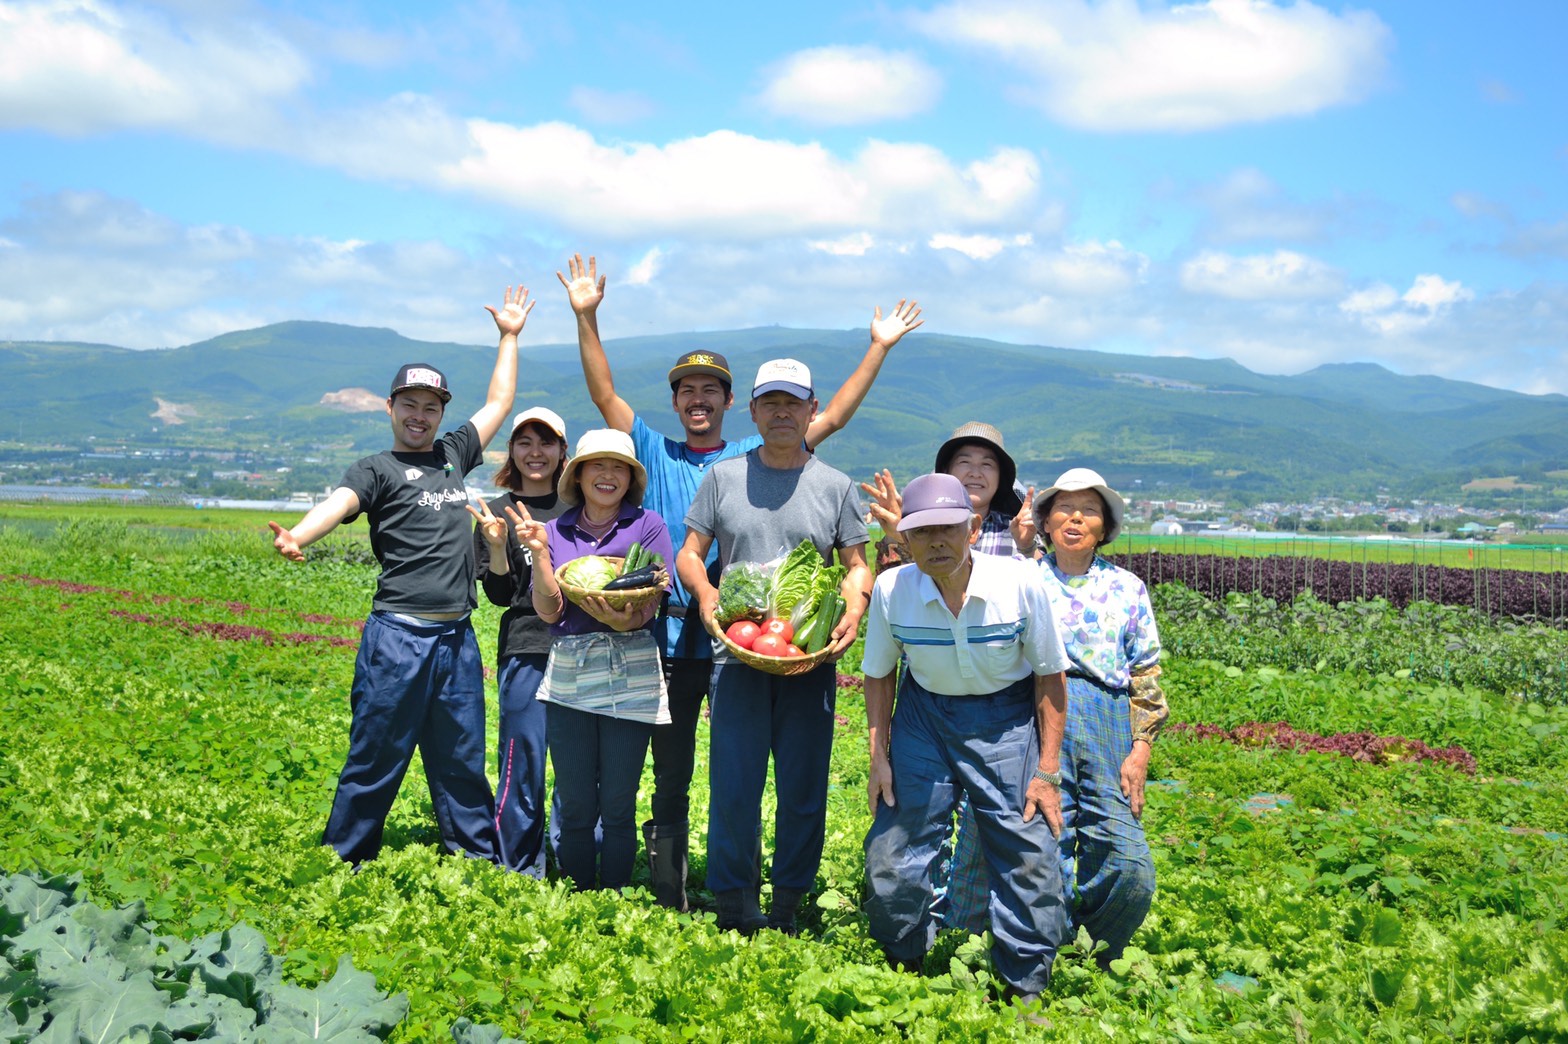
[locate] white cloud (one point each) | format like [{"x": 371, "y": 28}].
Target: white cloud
[
  {"x": 735, "y": 186},
  {"x": 1247, "y": 206},
  {"x": 1383, "y": 309},
  {"x": 976, "y": 248},
  {"x": 1282, "y": 275},
  {"x": 853, "y": 245},
  {"x": 850, "y": 85},
  {"x": 79, "y": 66},
  {"x": 1121, "y": 66},
  {"x": 598, "y": 106},
  {"x": 643, "y": 272},
  {"x": 1091, "y": 269}
]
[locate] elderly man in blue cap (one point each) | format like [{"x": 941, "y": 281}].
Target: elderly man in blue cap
[{"x": 980, "y": 713}]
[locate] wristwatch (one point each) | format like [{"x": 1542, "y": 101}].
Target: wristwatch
[{"x": 1053, "y": 778}]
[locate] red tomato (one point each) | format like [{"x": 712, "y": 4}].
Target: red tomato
[
  {"x": 769, "y": 645},
  {"x": 793, "y": 650},
  {"x": 743, "y": 633},
  {"x": 782, "y": 628}
]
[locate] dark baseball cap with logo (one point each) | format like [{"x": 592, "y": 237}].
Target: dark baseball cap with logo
[
  {"x": 421, "y": 375},
  {"x": 711, "y": 364}
]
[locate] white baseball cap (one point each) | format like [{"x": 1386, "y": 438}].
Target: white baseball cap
[
  {"x": 541, "y": 415},
  {"x": 785, "y": 375}
]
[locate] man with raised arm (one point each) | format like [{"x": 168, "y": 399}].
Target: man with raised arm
[
  {"x": 756, "y": 508},
  {"x": 418, "y": 678},
  {"x": 700, "y": 392}
]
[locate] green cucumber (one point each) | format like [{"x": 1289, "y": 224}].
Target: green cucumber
[{"x": 633, "y": 554}]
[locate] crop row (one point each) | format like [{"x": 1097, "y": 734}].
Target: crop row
[{"x": 1499, "y": 593}]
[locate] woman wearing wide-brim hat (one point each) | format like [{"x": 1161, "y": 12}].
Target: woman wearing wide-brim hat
[
  {"x": 1115, "y": 709},
  {"x": 603, "y": 687},
  {"x": 974, "y": 454}
]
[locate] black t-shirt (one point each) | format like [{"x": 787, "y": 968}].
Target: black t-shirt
[
  {"x": 418, "y": 527},
  {"x": 522, "y": 632}
]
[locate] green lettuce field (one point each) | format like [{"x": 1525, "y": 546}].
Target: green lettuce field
[{"x": 1353, "y": 841}]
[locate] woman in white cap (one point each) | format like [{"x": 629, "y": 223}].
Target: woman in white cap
[
  {"x": 1115, "y": 709},
  {"x": 535, "y": 458},
  {"x": 603, "y": 687}
]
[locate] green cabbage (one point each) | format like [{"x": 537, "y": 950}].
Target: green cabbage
[{"x": 590, "y": 572}]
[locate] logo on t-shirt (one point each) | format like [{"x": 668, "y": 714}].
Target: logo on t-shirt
[{"x": 413, "y": 474}]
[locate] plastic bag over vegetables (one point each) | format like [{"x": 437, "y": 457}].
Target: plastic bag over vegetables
[{"x": 743, "y": 593}]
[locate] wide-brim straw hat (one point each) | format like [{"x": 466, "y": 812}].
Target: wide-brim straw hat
[
  {"x": 1006, "y": 500},
  {"x": 602, "y": 444},
  {"x": 1071, "y": 481}
]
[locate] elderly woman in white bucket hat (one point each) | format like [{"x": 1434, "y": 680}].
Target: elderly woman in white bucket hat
[
  {"x": 1115, "y": 709},
  {"x": 603, "y": 686}
]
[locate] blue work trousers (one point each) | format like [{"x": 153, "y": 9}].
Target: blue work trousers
[
  {"x": 1105, "y": 856},
  {"x": 1107, "y": 871},
  {"x": 520, "y": 764},
  {"x": 753, "y": 715},
  {"x": 598, "y": 765},
  {"x": 415, "y": 684},
  {"x": 985, "y": 748}
]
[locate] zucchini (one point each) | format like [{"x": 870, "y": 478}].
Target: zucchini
[{"x": 821, "y": 626}]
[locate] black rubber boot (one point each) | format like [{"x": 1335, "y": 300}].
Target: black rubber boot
[
  {"x": 738, "y": 911},
  {"x": 786, "y": 903},
  {"x": 666, "y": 847}
]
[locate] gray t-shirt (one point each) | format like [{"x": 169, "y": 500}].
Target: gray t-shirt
[{"x": 757, "y": 514}]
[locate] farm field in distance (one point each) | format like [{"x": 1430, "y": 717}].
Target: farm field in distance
[{"x": 1358, "y": 820}]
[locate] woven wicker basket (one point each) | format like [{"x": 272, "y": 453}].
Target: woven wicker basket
[
  {"x": 785, "y": 666},
  {"x": 633, "y": 597}
]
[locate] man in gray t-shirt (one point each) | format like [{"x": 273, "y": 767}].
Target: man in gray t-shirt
[{"x": 759, "y": 507}]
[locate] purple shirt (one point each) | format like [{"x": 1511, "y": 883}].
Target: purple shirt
[{"x": 567, "y": 542}]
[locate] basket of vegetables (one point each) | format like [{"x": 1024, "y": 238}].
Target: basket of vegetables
[
  {"x": 634, "y": 581},
  {"x": 780, "y": 620}
]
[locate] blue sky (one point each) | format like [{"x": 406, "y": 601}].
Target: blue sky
[{"x": 1285, "y": 184}]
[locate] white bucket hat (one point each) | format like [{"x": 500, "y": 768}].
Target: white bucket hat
[
  {"x": 602, "y": 444},
  {"x": 1083, "y": 478}
]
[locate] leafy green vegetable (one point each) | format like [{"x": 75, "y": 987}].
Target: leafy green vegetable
[
  {"x": 591, "y": 572},
  {"x": 826, "y": 582},
  {"x": 743, "y": 593},
  {"x": 793, "y": 580}
]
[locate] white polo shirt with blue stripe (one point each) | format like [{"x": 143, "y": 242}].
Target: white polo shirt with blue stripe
[{"x": 1005, "y": 631}]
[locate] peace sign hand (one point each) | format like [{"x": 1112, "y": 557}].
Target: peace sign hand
[
  {"x": 531, "y": 534},
  {"x": 1025, "y": 529},
  {"x": 493, "y": 529}
]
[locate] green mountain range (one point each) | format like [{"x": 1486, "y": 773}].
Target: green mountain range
[{"x": 1178, "y": 424}]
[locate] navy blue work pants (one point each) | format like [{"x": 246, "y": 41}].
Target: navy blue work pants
[
  {"x": 415, "y": 684},
  {"x": 754, "y": 715}
]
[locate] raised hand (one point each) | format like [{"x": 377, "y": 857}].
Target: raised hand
[
  {"x": 531, "y": 534},
  {"x": 283, "y": 540},
  {"x": 493, "y": 529},
  {"x": 905, "y": 318},
  {"x": 887, "y": 504},
  {"x": 514, "y": 311},
  {"x": 1025, "y": 529},
  {"x": 586, "y": 288}
]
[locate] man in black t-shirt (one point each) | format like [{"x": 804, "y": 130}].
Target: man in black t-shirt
[{"x": 418, "y": 677}]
